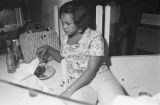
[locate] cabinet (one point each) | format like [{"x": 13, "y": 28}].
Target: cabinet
[
  {"x": 10, "y": 22},
  {"x": 148, "y": 39},
  {"x": 7, "y": 36},
  {"x": 148, "y": 33}
]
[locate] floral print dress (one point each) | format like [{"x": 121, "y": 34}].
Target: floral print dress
[{"x": 77, "y": 55}]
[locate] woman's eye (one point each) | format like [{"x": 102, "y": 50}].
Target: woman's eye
[{"x": 68, "y": 24}]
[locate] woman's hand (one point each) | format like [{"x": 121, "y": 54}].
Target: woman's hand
[
  {"x": 42, "y": 53},
  {"x": 66, "y": 93}
]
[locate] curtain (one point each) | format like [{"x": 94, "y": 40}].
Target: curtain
[{"x": 7, "y": 16}]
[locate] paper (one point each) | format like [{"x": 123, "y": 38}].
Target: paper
[{"x": 24, "y": 75}]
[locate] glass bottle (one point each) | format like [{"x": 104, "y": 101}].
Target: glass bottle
[
  {"x": 10, "y": 61},
  {"x": 20, "y": 54},
  {"x": 17, "y": 52}
]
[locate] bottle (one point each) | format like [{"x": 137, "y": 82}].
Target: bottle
[
  {"x": 20, "y": 54},
  {"x": 10, "y": 61},
  {"x": 17, "y": 53}
]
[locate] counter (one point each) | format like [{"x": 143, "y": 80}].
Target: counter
[{"x": 13, "y": 95}]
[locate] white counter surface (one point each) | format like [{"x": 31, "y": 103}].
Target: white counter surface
[{"x": 12, "y": 95}]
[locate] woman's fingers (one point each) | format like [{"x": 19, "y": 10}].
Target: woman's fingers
[
  {"x": 40, "y": 50},
  {"x": 42, "y": 54}
]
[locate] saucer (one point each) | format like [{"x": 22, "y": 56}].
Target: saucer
[{"x": 49, "y": 72}]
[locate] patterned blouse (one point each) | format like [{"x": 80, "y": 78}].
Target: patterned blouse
[{"x": 77, "y": 55}]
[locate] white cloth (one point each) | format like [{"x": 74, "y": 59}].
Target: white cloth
[{"x": 24, "y": 75}]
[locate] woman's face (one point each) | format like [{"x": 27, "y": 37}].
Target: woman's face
[{"x": 68, "y": 24}]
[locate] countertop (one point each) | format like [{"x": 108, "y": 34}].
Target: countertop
[{"x": 12, "y": 95}]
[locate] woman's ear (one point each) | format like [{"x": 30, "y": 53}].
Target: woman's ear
[{"x": 80, "y": 30}]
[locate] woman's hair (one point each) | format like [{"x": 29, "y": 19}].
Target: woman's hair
[{"x": 81, "y": 13}]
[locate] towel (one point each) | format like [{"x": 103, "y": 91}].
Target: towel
[
  {"x": 24, "y": 75},
  {"x": 30, "y": 42}
]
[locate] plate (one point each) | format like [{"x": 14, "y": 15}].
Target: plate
[{"x": 49, "y": 72}]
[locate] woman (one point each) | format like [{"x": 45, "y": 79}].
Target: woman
[{"x": 82, "y": 47}]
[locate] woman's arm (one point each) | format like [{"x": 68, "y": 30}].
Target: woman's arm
[
  {"x": 46, "y": 50},
  {"x": 96, "y": 58},
  {"x": 93, "y": 66},
  {"x": 55, "y": 54}
]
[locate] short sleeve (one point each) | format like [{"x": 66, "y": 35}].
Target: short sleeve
[{"x": 96, "y": 47}]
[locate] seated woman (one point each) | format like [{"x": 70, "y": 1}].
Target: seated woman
[{"x": 82, "y": 47}]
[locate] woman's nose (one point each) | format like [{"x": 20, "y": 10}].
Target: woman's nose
[{"x": 64, "y": 26}]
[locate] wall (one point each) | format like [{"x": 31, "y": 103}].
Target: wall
[
  {"x": 47, "y": 11},
  {"x": 42, "y": 10}
]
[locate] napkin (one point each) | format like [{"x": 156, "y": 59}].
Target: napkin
[
  {"x": 24, "y": 75},
  {"x": 25, "y": 70}
]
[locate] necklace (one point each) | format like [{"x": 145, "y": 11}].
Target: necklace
[{"x": 74, "y": 40}]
